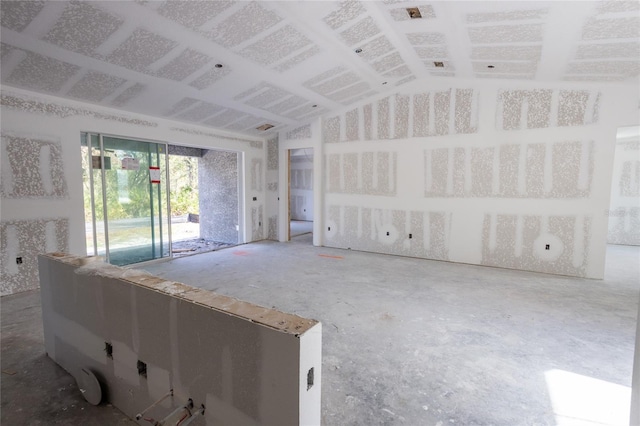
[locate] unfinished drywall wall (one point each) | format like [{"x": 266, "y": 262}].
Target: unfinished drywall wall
[
  {"x": 218, "y": 189},
  {"x": 635, "y": 383},
  {"x": 301, "y": 184},
  {"x": 624, "y": 212},
  {"x": 142, "y": 336},
  {"x": 22, "y": 241},
  {"x": 271, "y": 178},
  {"x": 513, "y": 175},
  {"x": 41, "y": 172}
]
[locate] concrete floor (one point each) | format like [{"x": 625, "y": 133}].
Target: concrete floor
[
  {"x": 300, "y": 227},
  {"x": 405, "y": 341}
]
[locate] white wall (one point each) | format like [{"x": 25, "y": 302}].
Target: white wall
[
  {"x": 624, "y": 213},
  {"x": 42, "y": 203},
  {"x": 487, "y": 173},
  {"x": 301, "y": 185}
]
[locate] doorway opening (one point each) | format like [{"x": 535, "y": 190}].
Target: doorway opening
[
  {"x": 624, "y": 210},
  {"x": 147, "y": 200},
  {"x": 301, "y": 193}
]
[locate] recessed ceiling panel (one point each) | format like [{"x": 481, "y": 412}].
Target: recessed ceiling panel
[
  {"x": 42, "y": 74},
  {"x": 297, "y": 59},
  {"x": 4, "y": 49},
  {"x": 511, "y": 15},
  {"x": 615, "y": 6},
  {"x": 228, "y": 116},
  {"x": 130, "y": 93},
  {"x": 95, "y": 86},
  {"x": 351, "y": 91},
  {"x": 598, "y": 29},
  {"x": 608, "y": 50},
  {"x": 361, "y": 31},
  {"x": 347, "y": 11},
  {"x": 141, "y": 49},
  {"x": 82, "y": 28},
  {"x": 388, "y": 62},
  {"x": 181, "y": 105},
  {"x": 286, "y": 105},
  {"x": 376, "y": 48},
  {"x": 398, "y": 72},
  {"x": 16, "y": 15},
  {"x": 432, "y": 52},
  {"x": 419, "y": 39},
  {"x": 276, "y": 46},
  {"x": 506, "y": 52},
  {"x": 506, "y": 34},
  {"x": 269, "y": 96},
  {"x": 605, "y": 67},
  {"x": 336, "y": 83},
  {"x": 208, "y": 78},
  {"x": 185, "y": 64},
  {"x": 244, "y": 25},
  {"x": 193, "y": 14},
  {"x": 200, "y": 112}
]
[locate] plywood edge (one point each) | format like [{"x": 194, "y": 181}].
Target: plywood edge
[{"x": 268, "y": 317}]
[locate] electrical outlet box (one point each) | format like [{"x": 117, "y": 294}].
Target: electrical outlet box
[{"x": 19, "y": 260}]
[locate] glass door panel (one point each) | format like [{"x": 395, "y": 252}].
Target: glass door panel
[
  {"x": 136, "y": 220},
  {"x": 126, "y": 180}
]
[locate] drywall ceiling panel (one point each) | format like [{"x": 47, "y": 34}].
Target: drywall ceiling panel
[
  {"x": 608, "y": 50},
  {"x": 147, "y": 57},
  {"x": 41, "y": 74},
  {"x": 210, "y": 77},
  {"x": 181, "y": 105},
  {"x": 141, "y": 49},
  {"x": 225, "y": 118},
  {"x": 185, "y": 64},
  {"x": 244, "y": 25},
  {"x": 16, "y": 15},
  {"x": 193, "y": 14},
  {"x": 128, "y": 94},
  {"x": 82, "y": 28},
  {"x": 200, "y": 112},
  {"x": 276, "y": 46},
  {"x": 95, "y": 86}
]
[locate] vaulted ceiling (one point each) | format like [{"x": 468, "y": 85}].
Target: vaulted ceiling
[{"x": 238, "y": 65}]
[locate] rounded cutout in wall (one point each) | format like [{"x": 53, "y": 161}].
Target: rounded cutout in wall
[{"x": 548, "y": 247}]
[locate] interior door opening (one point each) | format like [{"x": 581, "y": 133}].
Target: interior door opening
[
  {"x": 146, "y": 200},
  {"x": 301, "y": 194}
]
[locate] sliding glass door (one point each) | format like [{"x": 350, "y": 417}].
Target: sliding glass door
[{"x": 128, "y": 189}]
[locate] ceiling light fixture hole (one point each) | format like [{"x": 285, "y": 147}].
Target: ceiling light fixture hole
[
  {"x": 490, "y": 66},
  {"x": 265, "y": 127},
  {"x": 438, "y": 64},
  {"x": 414, "y": 13},
  {"x": 384, "y": 82},
  {"x": 218, "y": 65},
  {"x": 314, "y": 106},
  {"x": 358, "y": 50}
]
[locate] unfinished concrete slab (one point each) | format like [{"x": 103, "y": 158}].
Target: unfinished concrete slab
[
  {"x": 417, "y": 342},
  {"x": 406, "y": 341}
]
